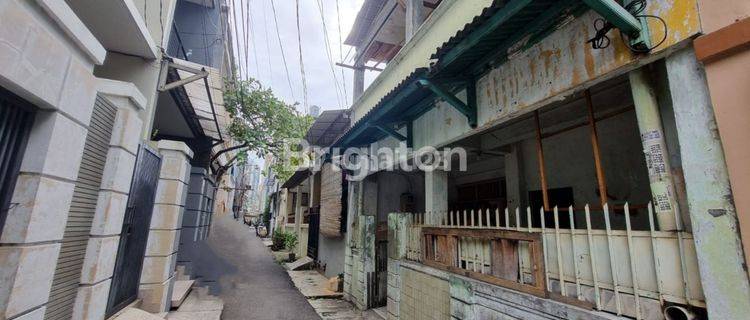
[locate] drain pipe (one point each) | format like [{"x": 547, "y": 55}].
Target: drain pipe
[{"x": 679, "y": 313}]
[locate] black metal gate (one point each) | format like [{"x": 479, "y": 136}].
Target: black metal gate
[
  {"x": 313, "y": 234},
  {"x": 127, "y": 273},
  {"x": 16, "y": 119},
  {"x": 377, "y": 282}
]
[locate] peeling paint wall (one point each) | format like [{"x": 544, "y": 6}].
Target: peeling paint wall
[{"x": 551, "y": 69}]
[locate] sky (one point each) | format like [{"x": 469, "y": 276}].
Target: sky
[{"x": 264, "y": 55}]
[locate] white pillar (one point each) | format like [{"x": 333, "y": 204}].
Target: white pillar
[
  {"x": 436, "y": 191},
  {"x": 655, "y": 150},
  {"x": 712, "y": 212}
]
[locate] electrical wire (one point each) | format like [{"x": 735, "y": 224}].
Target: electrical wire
[
  {"x": 341, "y": 53},
  {"x": 283, "y": 56},
  {"x": 268, "y": 46},
  {"x": 329, "y": 55},
  {"x": 252, "y": 34},
  {"x": 636, "y": 8},
  {"x": 301, "y": 61},
  {"x": 236, "y": 45},
  {"x": 244, "y": 37}
]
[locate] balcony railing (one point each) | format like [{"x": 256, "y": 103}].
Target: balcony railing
[{"x": 603, "y": 269}]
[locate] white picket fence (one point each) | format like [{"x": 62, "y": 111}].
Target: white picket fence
[{"x": 607, "y": 267}]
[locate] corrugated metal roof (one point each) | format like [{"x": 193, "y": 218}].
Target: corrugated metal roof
[
  {"x": 486, "y": 39},
  {"x": 327, "y": 127},
  {"x": 361, "y": 125},
  {"x": 296, "y": 178},
  {"x": 500, "y": 28}
]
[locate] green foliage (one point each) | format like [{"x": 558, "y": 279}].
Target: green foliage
[
  {"x": 262, "y": 123},
  {"x": 282, "y": 239},
  {"x": 290, "y": 241}
]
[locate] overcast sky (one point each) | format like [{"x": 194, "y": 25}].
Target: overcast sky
[{"x": 264, "y": 44}]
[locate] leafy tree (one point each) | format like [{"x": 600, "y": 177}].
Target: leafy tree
[{"x": 262, "y": 123}]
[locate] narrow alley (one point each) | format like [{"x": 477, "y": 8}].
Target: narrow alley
[{"x": 237, "y": 268}]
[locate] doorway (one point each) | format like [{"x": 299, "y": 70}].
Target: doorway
[{"x": 135, "y": 227}]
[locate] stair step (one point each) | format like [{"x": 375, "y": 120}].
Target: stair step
[
  {"x": 136, "y": 314},
  {"x": 196, "y": 302},
  {"x": 195, "y": 315},
  {"x": 180, "y": 291}
]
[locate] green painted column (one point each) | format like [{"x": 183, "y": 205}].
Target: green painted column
[{"x": 721, "y": 260}]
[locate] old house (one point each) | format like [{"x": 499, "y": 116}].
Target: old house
[
  {"x": 590, "y": 182},
  {"x": 112, "y": 122}
]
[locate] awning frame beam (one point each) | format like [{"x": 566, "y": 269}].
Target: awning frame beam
[
  {"x": 468, "y": 109},
  {"x": 390, "y": 131}
]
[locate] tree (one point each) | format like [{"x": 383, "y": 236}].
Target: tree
[{"x": 262, "y": 123}]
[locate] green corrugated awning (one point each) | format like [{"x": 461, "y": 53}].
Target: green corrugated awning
[{"x": 485, "y": 42}]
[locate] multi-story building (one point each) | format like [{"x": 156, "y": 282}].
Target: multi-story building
[
  {"x": 111, "y": 124},
  {"x": 595, "y": 184}
]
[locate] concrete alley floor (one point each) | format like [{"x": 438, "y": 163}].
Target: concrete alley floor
[{"x": 240, "y": 270}]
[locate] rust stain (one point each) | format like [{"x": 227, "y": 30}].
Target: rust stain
[{"x": 448, "y": 121}]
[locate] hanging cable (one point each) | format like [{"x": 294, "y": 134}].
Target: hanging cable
[
  {"x": 252, "y": 35},
  {"x": 283, "y": 56},
  {"x": 341, "y": 53},
  {"x": 236, "y": 45},
  {"x": 301, "y": 62},
  {"x": 636, "y": 8},
  {"x": 329, "y": 55},
  {"x": 268, "y": 45},
  {"x": 244, "y": 38}
]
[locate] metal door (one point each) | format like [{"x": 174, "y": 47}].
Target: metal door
[
  {"x": 313, "y": 233},
  {"x": 124, "y": 289},
  {"x": 16, "y": 119}
]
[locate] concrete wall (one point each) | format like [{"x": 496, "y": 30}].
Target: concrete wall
[
  {"x": 552, "y": 68},
  {"x": 101, "y": 249},
  {"x": 726, "y": 79},
  {"x": 46, "y": 57},
  {"x": 331, "y": 252},
  {"x": 157, "y": 275}
]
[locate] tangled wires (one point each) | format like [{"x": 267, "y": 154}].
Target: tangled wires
[{"x": 636, "y": 8}]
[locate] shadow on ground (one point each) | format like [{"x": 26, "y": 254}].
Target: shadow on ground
[{"x": 237, "y": 268}]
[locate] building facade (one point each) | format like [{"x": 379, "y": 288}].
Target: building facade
[
  {"x": 586, "y": 180},
  {"x": 110, "y": 165}
]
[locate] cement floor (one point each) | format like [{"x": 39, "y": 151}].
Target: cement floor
[{"x": 240, "y": 270}]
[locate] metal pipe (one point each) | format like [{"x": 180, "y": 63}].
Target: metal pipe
[
  {"x": 679, "y": 313},
  {"x": 655, "y": 150}
]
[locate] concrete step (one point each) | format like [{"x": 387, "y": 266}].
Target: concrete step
[
  {"x": 194, "y": 315},
  {"x": 180, "y": 291},
  {"x": 136, "y": 314},
  {"x": 301, "y": 263},
  {"x": 181, "y": 273},
  {"x": 197, "y": 302}
]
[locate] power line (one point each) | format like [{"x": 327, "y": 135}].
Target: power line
[
  {"x": 237, "y": 41},
  {"x": 341, "y": 52},
  {"x": 301, "y": 62},
  {"x": 252, "y": 34},
  {"x": 243, "y": 22},
  {"x": 329, "y": 55},
  {"x": 268, "y": 46},
  {"x": 283, "y": 56}
]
